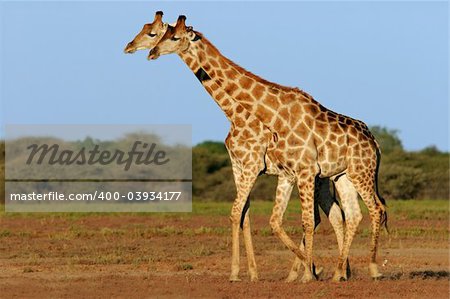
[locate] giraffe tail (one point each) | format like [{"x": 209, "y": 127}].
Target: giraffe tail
[
  {"x": 244, "y": 211},
  {"x": 379, "y": 199}
]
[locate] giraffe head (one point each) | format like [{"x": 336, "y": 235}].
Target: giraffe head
[
  {"x": 149, "y": 35},
  {"x": 176, "y": 39}
]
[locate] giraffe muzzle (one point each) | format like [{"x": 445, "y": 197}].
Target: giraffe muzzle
[
  {"x": 153, "y": 54},
  {"x": 129, "y": 49}
]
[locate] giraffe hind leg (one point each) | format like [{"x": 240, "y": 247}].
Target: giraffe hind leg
[
  {"x": 319, "y": 192},
  {"x": 284, "y": 189},
  {"x": 349, "y": 199}
]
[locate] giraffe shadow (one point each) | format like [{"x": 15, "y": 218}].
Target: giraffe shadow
[{"x": 426, "y": 274}]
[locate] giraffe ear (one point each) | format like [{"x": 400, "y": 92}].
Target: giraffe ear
[{"x": 192, "y": 36}]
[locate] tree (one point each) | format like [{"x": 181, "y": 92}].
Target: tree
[{"x": 387, "y": 138}]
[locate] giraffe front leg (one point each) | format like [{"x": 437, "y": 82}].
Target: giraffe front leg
[
  {"x": 305, "y": 183},
  {"x": 244, "y": 184},
  {"x": 235, "y": 213},
  {"x": 253, "y": 272}
]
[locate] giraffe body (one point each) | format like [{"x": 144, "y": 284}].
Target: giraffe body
[{"x": 247, "y": 143}]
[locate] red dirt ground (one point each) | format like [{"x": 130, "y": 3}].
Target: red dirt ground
[{"x": 136, "y": 256}]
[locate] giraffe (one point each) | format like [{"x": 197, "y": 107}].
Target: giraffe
[
  {"x": 248, "y": 154},
  {"x": 309, "y": 141}
]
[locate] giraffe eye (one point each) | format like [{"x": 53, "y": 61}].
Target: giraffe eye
[
  {"x": 152, "y": 34},
  {"x": 175, "y": 38}
]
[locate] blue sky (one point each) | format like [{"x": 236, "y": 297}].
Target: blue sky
[{"x": 385, "y": 63}]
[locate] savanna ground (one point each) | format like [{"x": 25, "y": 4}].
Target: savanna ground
[{"x": 188, "y": 255}]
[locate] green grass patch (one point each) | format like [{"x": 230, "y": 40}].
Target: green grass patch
[{"x": 399, "y": 209}]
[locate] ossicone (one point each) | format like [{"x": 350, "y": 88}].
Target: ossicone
[{"x": 158, "y": 16}]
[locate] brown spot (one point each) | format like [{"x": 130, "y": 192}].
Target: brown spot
[
  {"x": 321, "y": 117},
  {"x": 243, "y": 97},
  {"x": 272, "y": 102},
  {"x": 321, "y": 129},
  {"x": 239, "y": 122},
  {"x": 246, "y": 134},
  {"x": 207, "y": 67},
  {"x": 201, "y": 56},
  {"x": 311, "y": 109},
  {"x": 231, "y": 74},
  {"x": 214, "y": 87},
  {"x": 296, "y": 109},
  {"x": 302, "y": 131},
  {"x": 278, "y": 125},
  {"x": 287, "y": 98},
  {"x": 332, "y": 138},
  {"x": 189, "y": 60},
  {"x": 258, "y": 91},
  {"x": 220, "y": 95},
  {"x": 256, "y": 128},
  {"x": 239, "y": 108},
  {"x": 223, "y": 64},
  {"x": 213, "y": 63},
  {"x": 245, "y": 82},
  {"x": 210, "y": 51},
  {"x": 219, "y": 73},
  {"x": 284, "y": 114},
  {"x": 225, "y": 102},
  {"x": 351, "y": 140},
  {"x": 231, "y": 88},
  {"x": 264, "y": 114}
]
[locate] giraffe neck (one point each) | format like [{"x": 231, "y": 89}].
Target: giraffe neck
[
  {"x": 231, "y": 85},
  {"x": 211, "y": 83}
]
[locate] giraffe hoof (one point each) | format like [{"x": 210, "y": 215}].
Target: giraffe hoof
[
  {"x": 234, "y": 278},
  {"x": 292, "y": 277},
  {"x": 338, "y": 277},
  {"x": 307, "y": 278},
  {"x": 373, "y": 270},
  {"x": 254, "y": 278}
]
